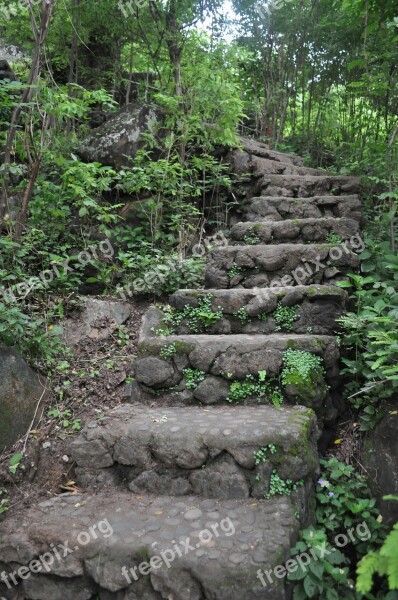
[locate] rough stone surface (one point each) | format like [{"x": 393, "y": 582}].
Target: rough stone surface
[
  {"x": 119, "y": 139},
  {"x": 283, "y": 264},
  {"x": 96, "y": 320},
  {"x": 380, "y": 459},
  {"x": 317, "y": 309},
  {"x": 21, "y": 389},
  {"x": 217, "y": 564},
  {"x": 303, "y": 186},
  {"x": 264, "y": 209},
  {"x": 295, "y": 231},
  {"x": 207, "y": 452}
]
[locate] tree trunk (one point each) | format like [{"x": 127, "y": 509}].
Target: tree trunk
[{"x": 40, "y": 34}]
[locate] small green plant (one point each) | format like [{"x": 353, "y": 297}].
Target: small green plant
[
  {"x": 64, "y": 418},
  {"x": 304, "y": 371},
  {"x": 261, "y": 454},
  {"x": 234, "y": 271},
  {"x": 255, "y": 386},
  {"x": 252, "y": 239},
  {"x": 198, "y": 318},
  {"x": 334, "y": 238},
  {"x": 168, "y": 351},
  {"x": 344, "y": 501},
  {"x": 15, "y": 462},
  {"x": 192, "y": 378},
  {"x": 281, "y": 487},
  {"x": 284, "y": 317},
  {"x": 242, "y": 315},
  {"x": 122, "y": 335},
  {"x": 4, "y": 501},
  {"x": 327, "y": 573}
]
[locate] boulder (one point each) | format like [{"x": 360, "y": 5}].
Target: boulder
[
  {"x": 96, "y": 320},
  {"x": 20, "y": 391},
  {"x": 380, "y": 459},
  {"x": 123, "y": 134}
]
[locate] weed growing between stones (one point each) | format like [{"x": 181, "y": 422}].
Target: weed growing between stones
[
  {"x": 234, "y": 271},
  {"x": 168, "y": 351},
  {"x": 252, "y": 239},
  {"x": 303, "y": 371},
  {"x": 198, "y": 318},
  {"x": 260, "y": 387},
  {"x": 334, "y": 238},
  {"x": 284, "y": 317},
  {"x": 261, "y": 455},
  {"x": 242, "y": 315},
  {"x": 281, "y": 487},
  {"x": 192, "y": 378}
]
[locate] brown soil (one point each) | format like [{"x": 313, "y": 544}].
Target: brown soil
[{"x": 92, "y": 381}]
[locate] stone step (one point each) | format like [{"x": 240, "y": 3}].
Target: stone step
[
  {"x": 299, "y": 231},
  {"x": 261, "y": 149},
  {"x": 209, "y": 452},
  {"x": 114, "y": 546},
  {"x": 261, "y": 167},
  {"x": 281, "y": 265},
  {"x": 300, "y": 309},
  {"x": 302, "y": 186},
  {"x": 268, "y": 209},
  {"x": 238, "y": 368}
]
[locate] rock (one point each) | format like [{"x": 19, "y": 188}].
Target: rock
[
  {"x": 154, "y": 372},
  {"x": 380, "y": 459},
  {"x": 6, "y": 72},
  {"x": 221, "y": 479},
  {"x": 21, "y": 388},
  {"x": 120, "y": 138},
  {"x": 212, "y": 390},
  {"x": 96, "y": 320}
]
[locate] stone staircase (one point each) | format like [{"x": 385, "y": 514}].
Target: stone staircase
[{"x": 197, "y": 489}]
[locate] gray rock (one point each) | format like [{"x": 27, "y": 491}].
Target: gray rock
[
  {"x": 97, "y": 319},
  {"x": 21, "y": 389},
  {"x": 120, "y": 138},
  {"x": 212, "y": 390},
  {"x": 154, "y": 372}
]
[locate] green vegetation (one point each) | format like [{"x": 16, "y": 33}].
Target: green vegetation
[
  {"x": 281, "y": 487},
  {"x": 198, "y": 318},
  {"x": 345, "y": 509},
  {"x": 168, "y": 351},
  {"x": 192, "y": 378},
  {"x": 258, "y": 387},
  {"x": 382, "y": 562},
  {"x": 284, "y": 317},
  {"x": 261, "y": 454},
  {"x": 242, "y": 315},
  {"x": 303, "y": 371},
  {"x": 252, "y": 239},
  {"x": 234, "y": 271},
  {"x": 334, "y": 238}
]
